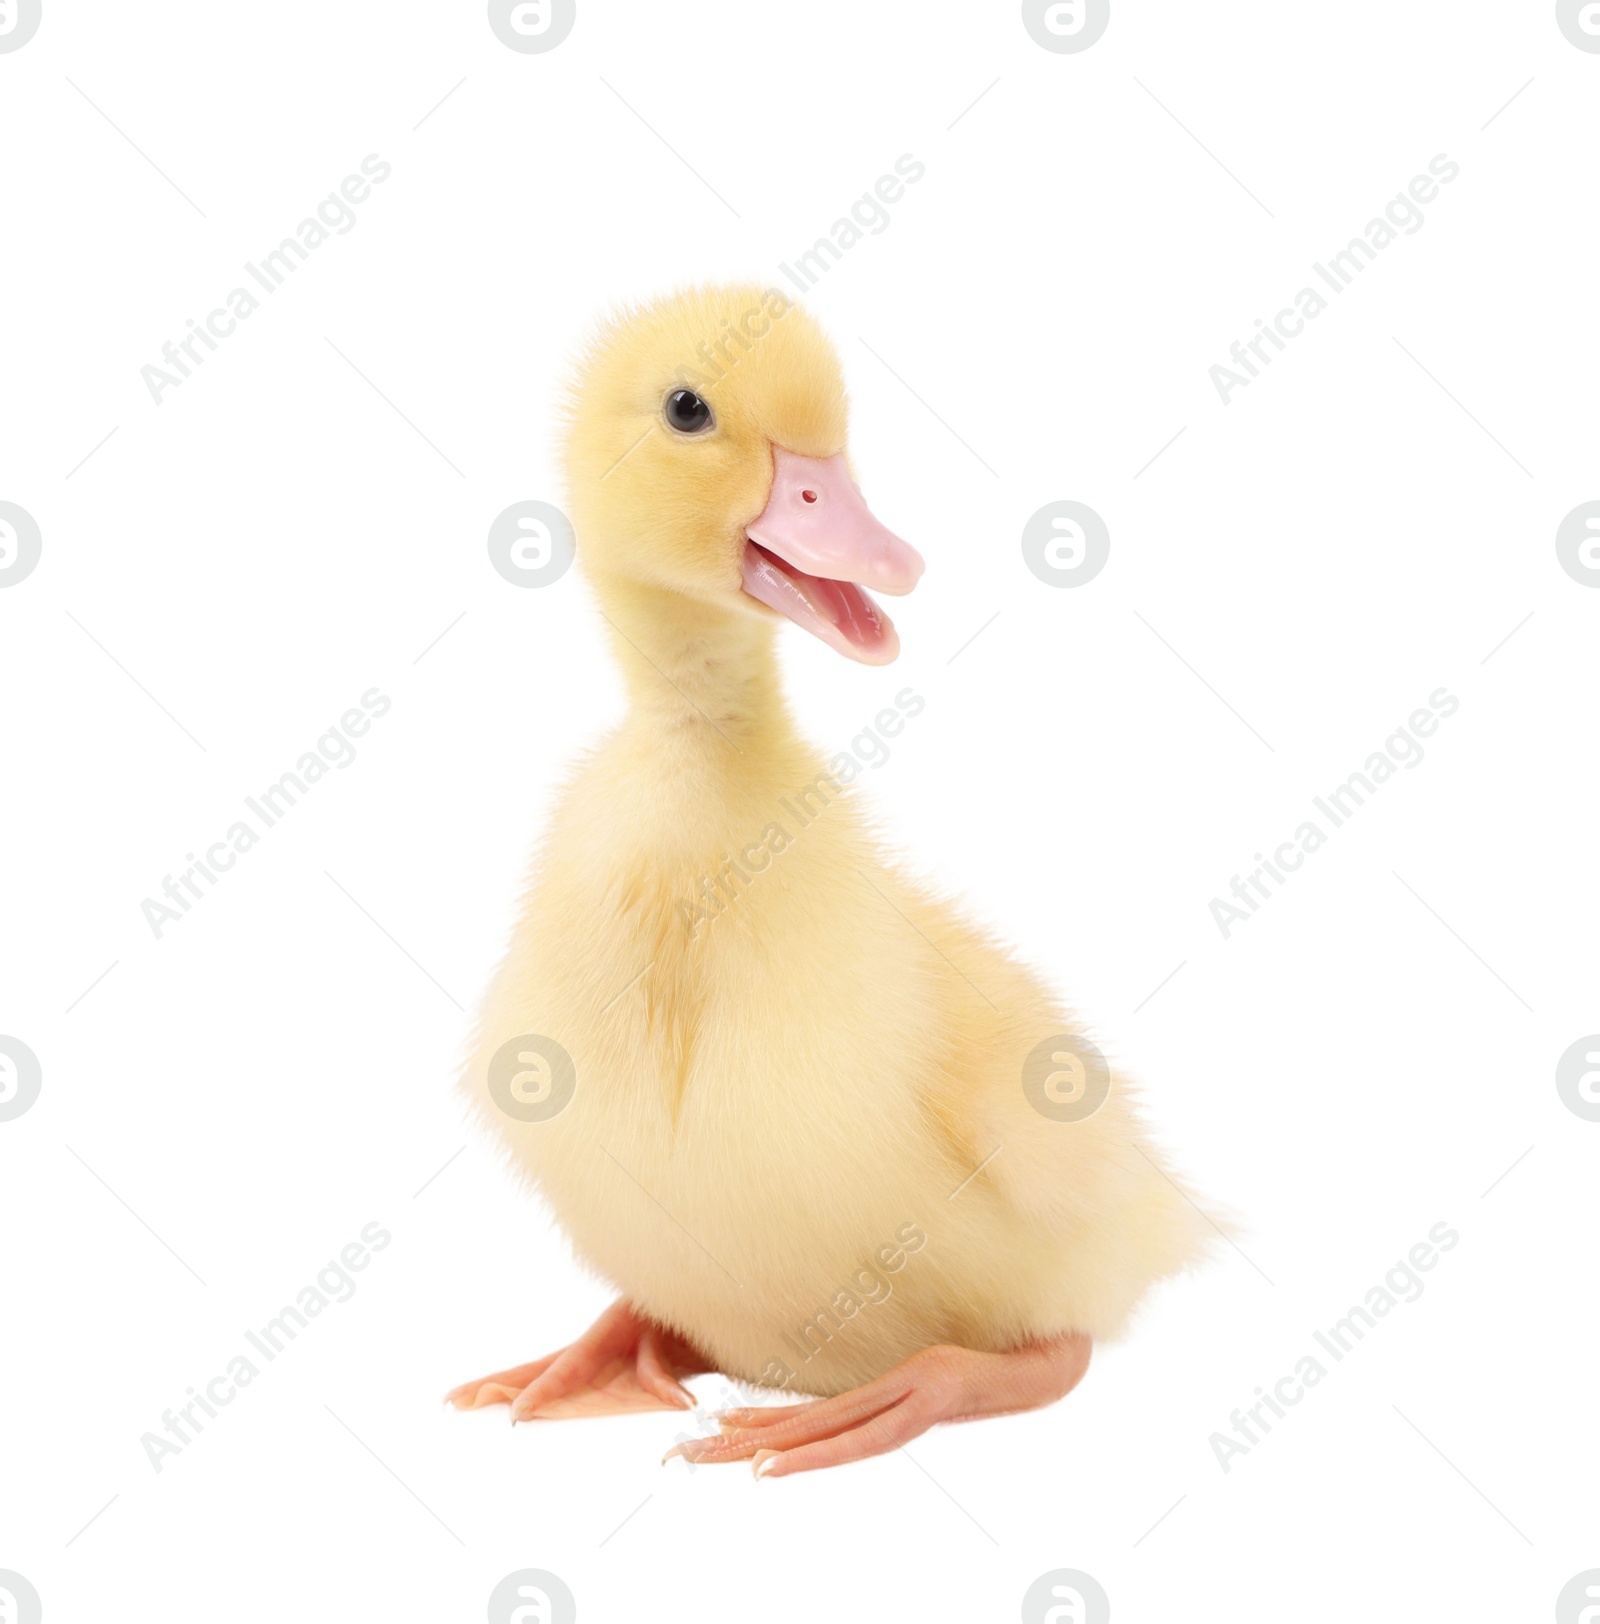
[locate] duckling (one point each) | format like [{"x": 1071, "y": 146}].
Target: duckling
[{"x": 823, "y": 1133}]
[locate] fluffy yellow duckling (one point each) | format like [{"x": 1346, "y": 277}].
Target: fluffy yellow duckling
[{"x": 822, "y": 1133}]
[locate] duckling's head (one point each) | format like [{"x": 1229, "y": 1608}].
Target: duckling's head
[{"x": 706, "y": 456}]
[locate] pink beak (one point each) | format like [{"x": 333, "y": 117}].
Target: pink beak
[{"x": 814, "y": 550}]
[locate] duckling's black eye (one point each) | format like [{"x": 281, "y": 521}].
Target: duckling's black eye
[{"x": 687, "y": 413}]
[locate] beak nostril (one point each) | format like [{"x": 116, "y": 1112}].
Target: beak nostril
[{"x": 808, "y": 496}]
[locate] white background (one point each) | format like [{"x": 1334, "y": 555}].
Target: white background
[{"x": 1288, "y": 581}]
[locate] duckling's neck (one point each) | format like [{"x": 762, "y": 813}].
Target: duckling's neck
[{"x": 697, "y": 672}]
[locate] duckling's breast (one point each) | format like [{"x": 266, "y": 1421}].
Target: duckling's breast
[{"x": 745, "y": 1151}]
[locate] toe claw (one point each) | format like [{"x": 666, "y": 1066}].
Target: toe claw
[{"x": 762, "y": 1462}]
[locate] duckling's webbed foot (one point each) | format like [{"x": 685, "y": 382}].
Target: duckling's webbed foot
[
  {"x": 938, "y": 1384},
  {"x": 622, "y": 1363}
]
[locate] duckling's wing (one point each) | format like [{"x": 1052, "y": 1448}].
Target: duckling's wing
[{"x": 1048, "y": 1129}]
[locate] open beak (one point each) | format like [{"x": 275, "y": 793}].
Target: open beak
[{"x": 815, "y": 550}]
